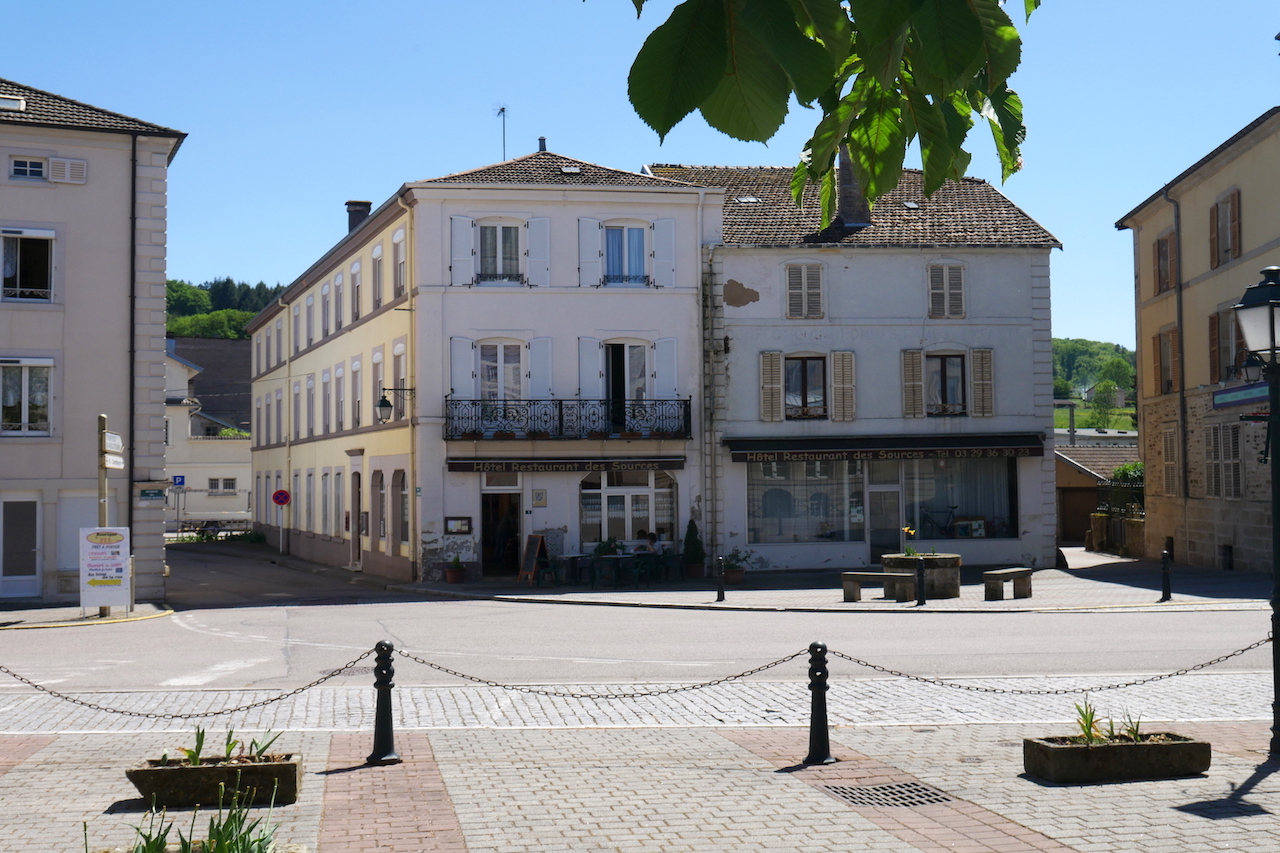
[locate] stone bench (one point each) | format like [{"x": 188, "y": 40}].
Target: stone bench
[
  {"x": 900, "y": 586},
  {"x": 994, "y": 581}
]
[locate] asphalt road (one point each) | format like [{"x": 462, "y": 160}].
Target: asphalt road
[{"x": 244, "y": 624}]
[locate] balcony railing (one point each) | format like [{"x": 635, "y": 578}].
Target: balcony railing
[{"x": 498, "y": 420}]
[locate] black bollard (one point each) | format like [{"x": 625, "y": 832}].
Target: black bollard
[
  {"x": 1166, "y": 593},
  {"x": 920, "y": 582},
  {"x": 384, "y": 741},
  {"x": 719, "y": 578},
  {"x": 819, "y": 741}
]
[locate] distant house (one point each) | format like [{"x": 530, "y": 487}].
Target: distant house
[
  {"x": 1199, "y": 241},
  {"x": 1079, "y": 471},
  {"x": 82, "y": 330},
  {"x": 214, "y": 470},
  {"x": 1117, "y": 397}
]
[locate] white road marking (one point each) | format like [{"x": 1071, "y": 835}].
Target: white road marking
[{"x": 205, "y": 676}]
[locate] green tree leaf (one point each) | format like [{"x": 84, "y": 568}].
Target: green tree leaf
[
  {"x": 877, "y": 143},
  {"x": 826, "y": 21},
  {"x": 751, "y": 101},
  {"x": 1001, "y": 46},
  {"x": 950, "y": 37},
  {"x": 680, "y": 65},
  {"x": 806, "y": 62}
]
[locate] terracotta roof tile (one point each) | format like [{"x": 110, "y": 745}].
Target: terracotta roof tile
[
  {"x": 968, "y": 212},
  {"x": 545, "y": 167},
  {"x": 46, "y": 109},
  {"x": 1099, "y": 461}
]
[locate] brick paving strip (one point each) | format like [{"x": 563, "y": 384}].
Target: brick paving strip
[
  {"x": 953, "y": 825},
  {"x": 15, "y": 750},
  {"x": 397, "y": 808}
]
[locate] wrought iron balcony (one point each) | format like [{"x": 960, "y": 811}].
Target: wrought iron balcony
[{"x": 498, "y": 420}]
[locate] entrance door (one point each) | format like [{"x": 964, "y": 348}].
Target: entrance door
[
  {"x": 626, "y": 379},
  {"x": 19, "y": 550},
  {"x": 884, "y": 509},
  {"x": 356, "y": 519},
  {"x": 500, "y": 533}
]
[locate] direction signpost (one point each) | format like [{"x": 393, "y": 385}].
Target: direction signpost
[{"x": 105, "y": 576}]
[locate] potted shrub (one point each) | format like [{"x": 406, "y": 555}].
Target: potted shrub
[
  {"x": 734, "y": 564},
  {"x": 253, "y": 775},
  {"x": 1123, "y": 754},
  {"x": 455, "y": 572},
  {"x": 941, "y": 571},
  {"x": 695, "y": 556}
]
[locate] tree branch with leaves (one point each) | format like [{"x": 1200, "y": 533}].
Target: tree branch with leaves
[{"x": 883, "y": 73}]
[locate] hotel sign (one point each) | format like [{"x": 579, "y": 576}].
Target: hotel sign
[{"x": 557, "y": 466}]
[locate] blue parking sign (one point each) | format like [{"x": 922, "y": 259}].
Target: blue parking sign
[{"x": 179, "y": 480}]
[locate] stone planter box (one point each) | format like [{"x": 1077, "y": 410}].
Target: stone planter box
[
  {"x": 1157, "y": 756},
  {"x": 260, "y": 783},
  {"x": 941, "y": 572}
]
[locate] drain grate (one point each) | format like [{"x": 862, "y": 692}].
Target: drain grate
[{"x": 901, "y": 795}]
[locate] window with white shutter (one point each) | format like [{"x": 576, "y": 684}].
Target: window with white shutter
[
  {"x": 1222, "y": 461},
  {"x": 946, "y": 291},
  {"x": 63, "y": 170},
  {"x": 771, "y": 386},
  {"x": 804, "y": 291}
]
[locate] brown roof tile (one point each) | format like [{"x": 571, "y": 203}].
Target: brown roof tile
[
  {"x": 1099, "y": 461},
  {"x": 544, "y": 167},
  {"x": 45, "y": 109},
  {"x": 968, "y": 212}
]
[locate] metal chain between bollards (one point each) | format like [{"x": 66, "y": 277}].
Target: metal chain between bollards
[
  {"x": 194, "y": 716},
  {"x": 1062, "y": 691},
  {"x": 567, "y": 694}
]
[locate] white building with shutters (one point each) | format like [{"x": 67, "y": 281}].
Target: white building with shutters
[
  {"x": 546, "y": 337},
  {"x": 82, "y": 309},
  {"x": 883, "y": 382}
]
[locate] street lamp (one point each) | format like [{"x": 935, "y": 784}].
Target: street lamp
[
  {"x": 1258, "y": 316},
  {"x": 383, "y": 409}
]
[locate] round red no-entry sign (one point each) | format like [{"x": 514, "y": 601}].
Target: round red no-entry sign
[{"x": 280, "y": 498}]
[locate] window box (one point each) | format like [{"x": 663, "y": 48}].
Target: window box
[
  {"x": 1160, "y": 755},
  {"x": 274, "y": 779}
]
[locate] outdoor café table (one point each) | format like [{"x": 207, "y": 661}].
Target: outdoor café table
[
  {"x": 572, "y": 569},
  {"x": 615, "y": 562}
]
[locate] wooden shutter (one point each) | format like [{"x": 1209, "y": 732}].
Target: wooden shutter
[
  {"x": 462, "y": 369},
  {"x": 771, "y": 386},
  {"x": 813, "y": 291},
  {"x": 1157, "y": 371},
  {"x": 664, "y": 253},
  {"x": 540, "y": 369},
  {"x": 1175, "y": 359},
  {"x": 538, "y": 255},
  {"x": 937, "y": 291},
  {"x": 665, "y": 381},
  {"x": 66, "y": 171},
  {"x": 590, "y": 369},
  {"x": 983, "y": 382},
  {"x": 1212, "y": 462},
  {"x": 795, "y": 292},
  {"x": 590, "y": 252},
  {"x": 1213, "y": 237},
  {"x": 955, "y": 291},
  {"x": 1234, "y": 213},
  {"x": 1156, "y": 275},
  {"x": 912, "y": 383},
  {"x": 1215, "y": 366},
  {"x": 1171, "y": 250},
  {"x": 1170, "y": 460},
  {"x": 843, "y": 400},
  {"x": 1232, "y": 482},
  {"x": 462, "y": 250}
]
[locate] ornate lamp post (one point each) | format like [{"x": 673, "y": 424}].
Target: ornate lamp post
[{"x": 1258, "y": 316}]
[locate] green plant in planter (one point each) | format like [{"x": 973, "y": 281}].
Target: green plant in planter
[
  {"x": 606, "y": 548},
  {"x": 909, "y": 550},
  {"x": 193, "y": 755},
  {"x": 456, "y": 562},
  {"x": 738, "y": 558},
  {"x": 694, "y": 553}
]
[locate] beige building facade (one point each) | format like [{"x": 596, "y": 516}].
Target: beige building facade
[
  {"x": 82, "y": 330},
  {"x": 1198, "y": 243}
]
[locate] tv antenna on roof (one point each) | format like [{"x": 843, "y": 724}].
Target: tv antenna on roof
[{"x": 502, "y": 113}]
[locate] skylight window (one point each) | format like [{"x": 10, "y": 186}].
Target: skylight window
[
  {"x": 570, "y": 170},
  {"x": 747, "y": 199},
  {"x": 910, "y": 205},
  {"x": 12, "y": 102}
]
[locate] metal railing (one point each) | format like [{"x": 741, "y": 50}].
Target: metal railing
[
  {"x": 498, "y": 420},
  {"x": 1122, "y": 498}
]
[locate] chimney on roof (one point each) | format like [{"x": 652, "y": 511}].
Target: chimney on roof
[
  {"x": 357, "y": 212},
  {"x": 542, "y": 143},
  {"x": 851, "y": 208}
]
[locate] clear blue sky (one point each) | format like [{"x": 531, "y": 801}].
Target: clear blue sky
[{"x": 293, "y": 108}]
